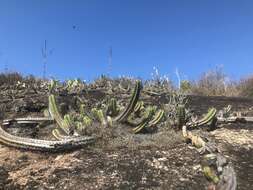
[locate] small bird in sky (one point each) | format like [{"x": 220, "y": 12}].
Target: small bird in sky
[{"x": 74, "y": 27}]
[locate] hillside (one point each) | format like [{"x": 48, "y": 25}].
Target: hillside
[{"x": 119, "y": 159}]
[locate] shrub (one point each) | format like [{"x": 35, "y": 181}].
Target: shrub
[
  {"x": 214, "y": 83},
  {"x": 245, "y": 87}
]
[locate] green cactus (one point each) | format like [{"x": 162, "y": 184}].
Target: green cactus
[
  {"x": 69, "y": 121},
  {"x": 80, "y": 127},
  {"x": 141, "y": 126},
  {"x": 99, "y": 115},
  {"x": 52, "y": 85},
  {"x": 205, "y": 120},
  {"x": 130, "y": 107},
  {"x": 138, "y": 108},
  {"x": 210, "y": 174},
  {"x": 82, "y": 109},
  {"x": 111, "y": 108},
  {"x": 157, "y": 118},
  {"x": 63, "y": 124},
  {"x": 180, "y": 115},
  {"x": 145, "y": 120},
  {"x": 87, "y": 121}
]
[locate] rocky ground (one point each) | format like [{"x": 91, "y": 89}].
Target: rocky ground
[{"x": 164, "y": 163}]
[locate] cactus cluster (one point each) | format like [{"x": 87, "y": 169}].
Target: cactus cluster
[
  {"x": 107, "y": 115},
  {"x": 68, "y": 125}
]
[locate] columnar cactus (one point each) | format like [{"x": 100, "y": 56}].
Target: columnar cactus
[
  {"x": 64, "y": 124},
  {"x": 130, "y": 107},
  {"x": 180, "y": 115},
  {"x": 112, "y": 109}
]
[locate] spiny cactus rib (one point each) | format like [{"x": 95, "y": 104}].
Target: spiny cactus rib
[
  {"x": 158, "y": 117},
  {"x": 53, "y": 110},
  {"x": 208, "y": 117},
  {"x": 134, "y": 99}
]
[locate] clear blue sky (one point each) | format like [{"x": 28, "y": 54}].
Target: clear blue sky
[{"x": 191, "y": 35}]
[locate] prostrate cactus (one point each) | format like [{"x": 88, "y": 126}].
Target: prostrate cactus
[{"x": 41, "y": 145}]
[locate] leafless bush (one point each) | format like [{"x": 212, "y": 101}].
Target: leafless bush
[
  {"x": 245, "y": 87},
  {"x": 214, "y": 83}
]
